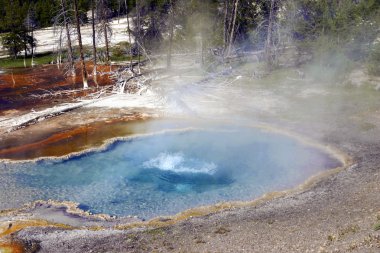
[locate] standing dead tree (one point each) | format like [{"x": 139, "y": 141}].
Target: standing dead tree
[
  {"x": 129, "y": 36},
  {"x": 226, "y": 22},
  {"x": 105, "y": 30},
  {"x": 119, "y": 10},
  {"x": 171, "y": 33},
  {"x": 31, "y": 25},
  {"x": 94, "y": 72},
  {"x": 138, "y": 33},
  {"x": 203, "y": 31},
  {"x": 269, "y": 58},
  {"x": 28, "y": 43},
  {"x": 84, "y": 71},
  {"x": 59, "y": 49},
  {"x": 62, "y": 21},
  {"x": 229, "y": 25}
]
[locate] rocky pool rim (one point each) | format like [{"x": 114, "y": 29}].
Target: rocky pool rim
[{"x": 344, "y": 159}]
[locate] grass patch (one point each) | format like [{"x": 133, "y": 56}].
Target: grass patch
[
  {"x": 377, "y": 226},
  {"x": 38, "y": 59},
  {"x": 331, "y": 238},
  {"x": 155, "y": 231},
  {"x": 123, "y": 58},
  {"x": 351, "y": 229}
]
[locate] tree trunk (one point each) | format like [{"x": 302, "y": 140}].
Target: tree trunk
[
  {"x": 59, "y": 53},
  {"x": 25, "y": 53},
  {"x": 84, "y": 71},
  {"x": 203, "y": 45},
  {"x": 171, "y": 33},
  {"x": 103, "y": 17},
  {"x": 203, "y": 32},
  {"x": 129, "y": 37},
  {"x": 118, "y": 13},
  {"x": 69, "y": 46},
  {"x": 225, "y": 24},
  {"x": 106, "y": 42},
  {"x": 268, "y": 44},
  {"x": 32, "y": 62},
  {"x": 232, "y": 32},
  {"x": 138, "y": 33},
  {"x": 94, "y": 72}
]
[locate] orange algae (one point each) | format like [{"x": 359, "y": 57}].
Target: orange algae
[
  {"x": 11, "y": 247},
  {"x": 69, "y": 141},
  {"x": 7, "y": 228},
  {"x": 20, "y": 87}
]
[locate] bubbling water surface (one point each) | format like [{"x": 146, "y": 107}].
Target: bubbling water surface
[{"x": 167, "y": 173}]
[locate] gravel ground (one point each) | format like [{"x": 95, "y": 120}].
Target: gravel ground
[{"x": 335, "y": 214}]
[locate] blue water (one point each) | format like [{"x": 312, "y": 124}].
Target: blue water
[{"x": 166, "y": 173}]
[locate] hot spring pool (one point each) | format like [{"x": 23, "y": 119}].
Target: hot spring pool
[{"x": 167, "y": 173}]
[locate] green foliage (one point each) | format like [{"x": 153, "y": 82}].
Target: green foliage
[
  {"x": 13, "y": 15},
  {"x": 373, "y": 64},
  {"x": 196, "y": 24},
  {"x": 120, "y": 50},
  {"x": 117, "y": 52},
  {"x": 153, "y": 20},
  {"x": 335, "y": 32},
  {"x": 19, "y": 61},
  {"x": 87, "y": 51},
  {"x": 45, "y": 12},
  {"x": 13, "y": 42},
  {"x": 330, "y": 68},
  {"x": 16, "y": 41}
]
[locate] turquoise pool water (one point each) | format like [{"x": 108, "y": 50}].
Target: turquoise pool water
[{"x": 166, "y": 173}]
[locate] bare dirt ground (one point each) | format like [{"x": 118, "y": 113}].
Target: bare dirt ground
[{"x": 338, "y": 213}]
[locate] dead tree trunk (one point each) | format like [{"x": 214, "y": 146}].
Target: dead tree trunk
[
  {"x": 59, "y": 51},
  {"x": 268, "y": 43},
  {"x": 118, "y": 12},
  {"x": 94, "y": 72},
  {"x": 104, "y": 26},
  {"x": 171, "y": 33},
  {"x": 225, "y": 24},
  {"x": 32, "y": 52},
  {"x": 70, "y": 55},
  {"x": 25, "y": 54},
  {"x": 30, "y": 25},
  {"x": 203, "y": 45},
  {"x": 232, "y": 32},
  {"x": 106, "y": 43},
  {"x": 138, "y": 34},
  {"x": 203, "y": 33},
  {"x": 129, "y": 37},
  {"x": 84, "y": 71}
]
